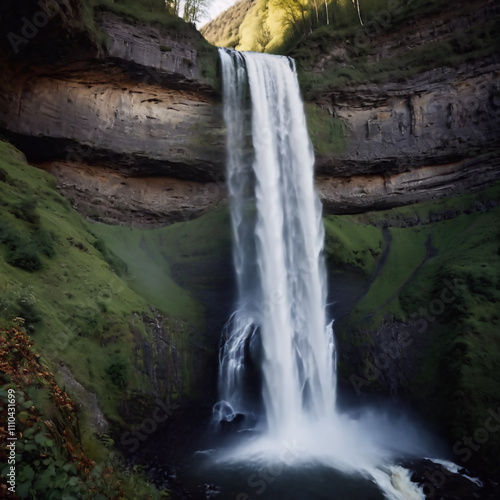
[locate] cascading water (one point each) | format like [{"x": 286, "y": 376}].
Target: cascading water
[
  {"x": 277, "y": 363},
  {"x": 278, "y": 231}
]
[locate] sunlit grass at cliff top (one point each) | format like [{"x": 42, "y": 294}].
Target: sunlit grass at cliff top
[{"x": 341, "y": 51}]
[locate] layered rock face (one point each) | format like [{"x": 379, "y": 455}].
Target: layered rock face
[
  {"x": 135, "y": 133},
  {"x": 136, "y": 127},
  {"x": 427, "y": 136},
  {"x": 114, "y": 197},
  {"x": 439, "y": 116}
]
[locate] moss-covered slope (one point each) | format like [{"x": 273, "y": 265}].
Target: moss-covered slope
[
  {"x": 88, "y": 310},
  {"x": 85, "y": 294},
  {"x": 425, "y": 321}
]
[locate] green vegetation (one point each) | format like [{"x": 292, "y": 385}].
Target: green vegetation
[
  {"x": 147, "y": 11},
  {"x": 348, "y": 48},
  {"x": 224, "y": 30},
  {"x": 159, "y": 259},
  {"x": 76, "y": 301},
  {"x": 259, "y": 26},
  {"x": 417, "y": 236},
  {"x": 53, "y": 276},
  {"x": 344, "y": 48},
  {"x": 407, "y": 252},
  {"x": 349, "y": 244},
  {"x": 53, "y": 459},
  {"x": 327, "y": 133},
  {"x": 118, "y": 371},
  {"x": 276, "y": 26},
  {"x": 465, "y": 339},
  {"x": 440, "y": 269}
]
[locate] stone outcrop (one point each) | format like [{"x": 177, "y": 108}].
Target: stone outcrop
[
  {"x": 132, "y": 127},
  {"x": 361, "y": 193},
  {"x": 151, "y": 52},
  {"x": 104, "y": 119},
  {"x": 439, "y": 116},
  {"x": 432, "y": 136},
  {"x": 415, "y": 138},
  {"x": 112, "y": 197}
]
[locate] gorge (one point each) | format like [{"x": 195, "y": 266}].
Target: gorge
[
  {"x": 279, "y": 330},
  {"x": 125, "y": 116}
]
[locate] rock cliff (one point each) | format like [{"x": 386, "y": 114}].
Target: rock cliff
[
  {"x": 134, "y": 132},
  {"x": 431, "y": 136},
  {"x": 138, "y": 108},
  {"x": 417, "y": 133}
]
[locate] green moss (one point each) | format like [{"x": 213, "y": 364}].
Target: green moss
[
  {"x": 327, "y": 133},
  {"x": 349, "y": 244},
  {"x": 406, "y": 253},
  {"x": 456, "y": 370},
  {"x": 161, "y": 260}
]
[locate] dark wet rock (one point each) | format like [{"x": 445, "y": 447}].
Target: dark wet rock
[{"x": 439, "y": 483}]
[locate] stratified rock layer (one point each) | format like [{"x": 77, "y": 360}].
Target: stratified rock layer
[{"x": 144, "y": 109}]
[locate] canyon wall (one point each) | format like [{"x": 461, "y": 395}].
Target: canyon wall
[{"x": 136, "y": 127}]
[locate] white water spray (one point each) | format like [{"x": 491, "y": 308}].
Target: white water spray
[
  {"x": 278, "y": 338},
  {"x": 279, "y": 236}
]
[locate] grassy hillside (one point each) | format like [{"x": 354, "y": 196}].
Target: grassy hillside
[
  {"x": 256, "y": 25},
  {"x": 69, "y": 292},
  {"x": 88, "y": 313},
  {"x": 439, "y": 280},
  {"x": 350, "y": 54},
  {"x": 58, "y": 277},
  {"x": 159, "y": 259},
  {"x": 57, "y": 456}
]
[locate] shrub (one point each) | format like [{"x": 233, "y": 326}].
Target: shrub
[
  {"x": 24, "y": 256},
  {"x": 118, "y": 372},
  {"x": 118, "y": 266},
  {"x": 26, "y": 210},
  {"x": 88, "y": 322},
  {"x": 23, "y": 250},
  {"x": 28, "y": 310},
  {"x": 44, "y": 242},
  {"x": 8, "y": 235}
]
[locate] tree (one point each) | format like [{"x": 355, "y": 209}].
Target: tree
[
  {"x": 356, "y": 5},
  {"x": 174, "y": 6},
  {"x": 295, "y": 14},
  {"x": 315, "y": 3},
  {"x": 195, "y": 10},
  {"x": 264, "y": 36}
]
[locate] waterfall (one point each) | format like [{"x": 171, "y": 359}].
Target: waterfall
[
  {"x": 277, "y": 363},
  {"x": 278, "y": 243}
]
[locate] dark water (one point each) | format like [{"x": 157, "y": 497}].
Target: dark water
[{"x": 272, "y": 481}]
